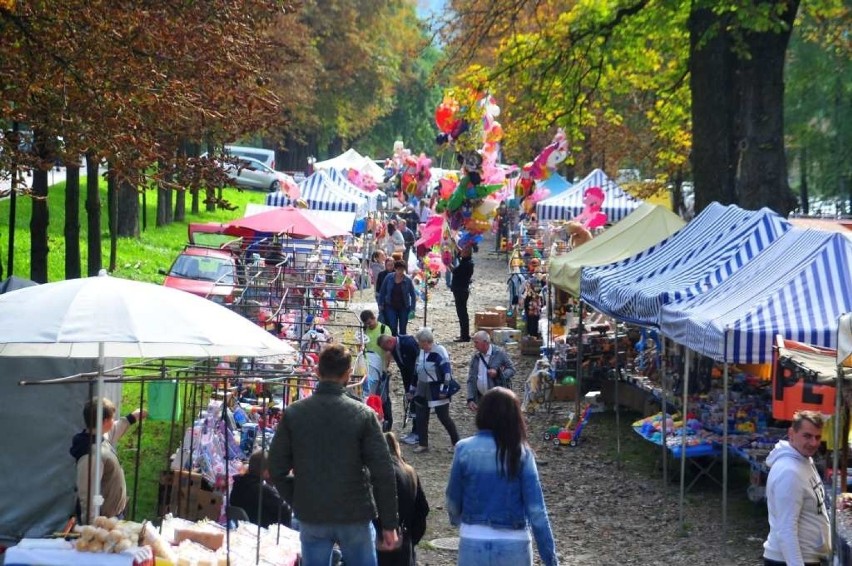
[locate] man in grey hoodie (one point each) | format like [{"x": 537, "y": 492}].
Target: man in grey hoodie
[{"x": 798, "y": 519}]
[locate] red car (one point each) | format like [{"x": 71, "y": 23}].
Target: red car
[{"x": 207, "y": 272}]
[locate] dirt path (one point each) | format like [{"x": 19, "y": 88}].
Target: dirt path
[{"x": 601, "y": 513}]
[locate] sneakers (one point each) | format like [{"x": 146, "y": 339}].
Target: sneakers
[
  {"x": 421, "y": 449},
  {"x": 411, "y": 438},
  {"x": 451, "y": 449}
]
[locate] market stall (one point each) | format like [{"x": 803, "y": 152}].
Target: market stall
[
  {"x": 716, "y": 244},
  {"x": 616, "y": 204}
]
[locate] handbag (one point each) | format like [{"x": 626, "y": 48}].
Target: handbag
[{"x": 453, "y": 387}]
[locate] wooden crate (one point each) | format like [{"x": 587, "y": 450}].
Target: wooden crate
[
  {"x": 530, "y": 346},
  {"x": 564, "y": 392}
]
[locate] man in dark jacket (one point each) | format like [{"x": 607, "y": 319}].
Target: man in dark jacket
[
  {"x": 250, "y": 485},
  {"x": 408, "y": 236},
  {"x": 342, "y": 470},
  {"x": 404, "y": 349},
  {"x": 460, "y": 286}
]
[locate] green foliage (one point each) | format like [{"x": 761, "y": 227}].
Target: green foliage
[
  {"x": 817, "y": 112},
  {"x": 412, "y": 117}
]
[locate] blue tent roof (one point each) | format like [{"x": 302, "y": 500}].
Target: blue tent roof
[
  {"x": 321, "y": 193},
  {"x": 556, "y": 184},
  {"x": 797, "y": 287},
  {"x": 565, "y": 206},
  {"x": 708, "y": 250}
]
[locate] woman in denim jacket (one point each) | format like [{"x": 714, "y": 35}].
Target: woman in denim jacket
[{"x": 494, "y": 491}]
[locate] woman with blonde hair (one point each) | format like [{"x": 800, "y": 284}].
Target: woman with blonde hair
[
  {"x": 494, "y": 492},
  {"x": 412, "y": 509}
]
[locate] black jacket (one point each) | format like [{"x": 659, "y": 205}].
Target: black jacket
[
  {"x": 413, "y": 509},
  {"x": 244, "y": 494},
  {"x": 462, "y": 275}
]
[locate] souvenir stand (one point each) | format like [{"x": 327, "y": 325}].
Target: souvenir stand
[
  {"x": 198, "y": 328},
  {"x": 699, "y": 257},
  {"x": 797, "y": 288}
]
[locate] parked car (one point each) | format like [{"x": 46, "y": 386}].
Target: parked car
[
  {"x": 252, "y": 174},
  {"x": 207, "y": 272},
  {"x": 265, "y": 156}
]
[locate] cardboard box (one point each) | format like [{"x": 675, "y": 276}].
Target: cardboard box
[
  {"x": 502, "y": 314},
  {"x": 503, "y": 336},
  {"x": 186, "y": 495},
  {"x": 564, "y": 392},
  {"x": 488, "y": 319}
]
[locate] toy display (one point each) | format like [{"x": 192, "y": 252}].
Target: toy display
[{"x": 538, "y": 387}]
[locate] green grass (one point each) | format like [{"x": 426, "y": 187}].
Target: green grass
[{"x": 138, "y": 259}]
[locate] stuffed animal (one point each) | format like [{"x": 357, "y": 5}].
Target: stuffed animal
[
  {"x": 538, "y": 387},
  {"x": 592, "y": 217},
  {"x": 577, "y": 233}
]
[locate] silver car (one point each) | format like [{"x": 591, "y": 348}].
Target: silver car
[{"x": 252, "y": 174}]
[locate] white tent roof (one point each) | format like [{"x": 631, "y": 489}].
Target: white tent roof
[{"x": 351, "y": 159}]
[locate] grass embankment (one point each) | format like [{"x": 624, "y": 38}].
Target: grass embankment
[{"x": 138, "y": 259}]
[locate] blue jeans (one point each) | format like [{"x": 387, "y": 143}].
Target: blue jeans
[
  {"x": 397, "y": 321},
  {"x": 485, "y": 552},
  {"x": 357, "y": 543}
]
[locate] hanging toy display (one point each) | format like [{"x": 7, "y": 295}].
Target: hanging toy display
[{"x": 592, "y": 216}]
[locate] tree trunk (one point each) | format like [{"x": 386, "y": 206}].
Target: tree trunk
[
  {"x": 93, "y": 215},
  {"x": 112, "y": 206},
  {"x": 804, "y": 198},
  {"x": 737, "y": 114},
  {"x": 180, "y": 205},
  {"x": 762, "y": 168},
  {"x": 128, "y": 210},
  {"x": 72, "y": 221},
  {"x": 714, "y": 104},
  {"x": 40, "y": 218},
  {"x": 164, "y": 211}
]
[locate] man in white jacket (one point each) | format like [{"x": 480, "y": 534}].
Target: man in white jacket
[{"x": 798, "y": 519}]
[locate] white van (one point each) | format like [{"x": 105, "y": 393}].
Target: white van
[{"x": 265, "y": 156}]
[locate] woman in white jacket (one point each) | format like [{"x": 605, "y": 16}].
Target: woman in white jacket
[
  {"x": 799, "y": 531},
  {"x": 433, "y": 377}
]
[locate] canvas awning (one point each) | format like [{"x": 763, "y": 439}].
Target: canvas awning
[
  {"x": 797, "y": 288},
  {"x": 641, "y": 232},
  {"x": 373, "y": 197},
  {"x": 708, "y": 250}
]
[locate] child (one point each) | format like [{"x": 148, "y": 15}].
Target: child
[{"x": 532, "y": 311}]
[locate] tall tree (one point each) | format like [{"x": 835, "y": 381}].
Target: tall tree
[{"x": 733, "y": 52}]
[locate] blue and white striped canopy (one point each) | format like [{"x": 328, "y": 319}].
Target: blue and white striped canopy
[
  {"x": 321, "y": 193},
  {"x": 351, "y": 188},
  {"x": 708, "y": 250},
  {"x": 569, "y": 204},
  {"x": 278, "y": 199},
  {"x": 797, "y": 287}
]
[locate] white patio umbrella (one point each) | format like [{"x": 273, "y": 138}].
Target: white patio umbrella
[{"x": 99, "y": 317}]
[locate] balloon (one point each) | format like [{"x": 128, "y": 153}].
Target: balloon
[
  {"x": 485, "y": 210},
  {"x": 495, "y": 133},
  {"x": 447, "y": 186},
  {"x": 445, "y": 115}
]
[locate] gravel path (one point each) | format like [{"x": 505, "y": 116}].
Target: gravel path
[{"x": 601, "y": 512}]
